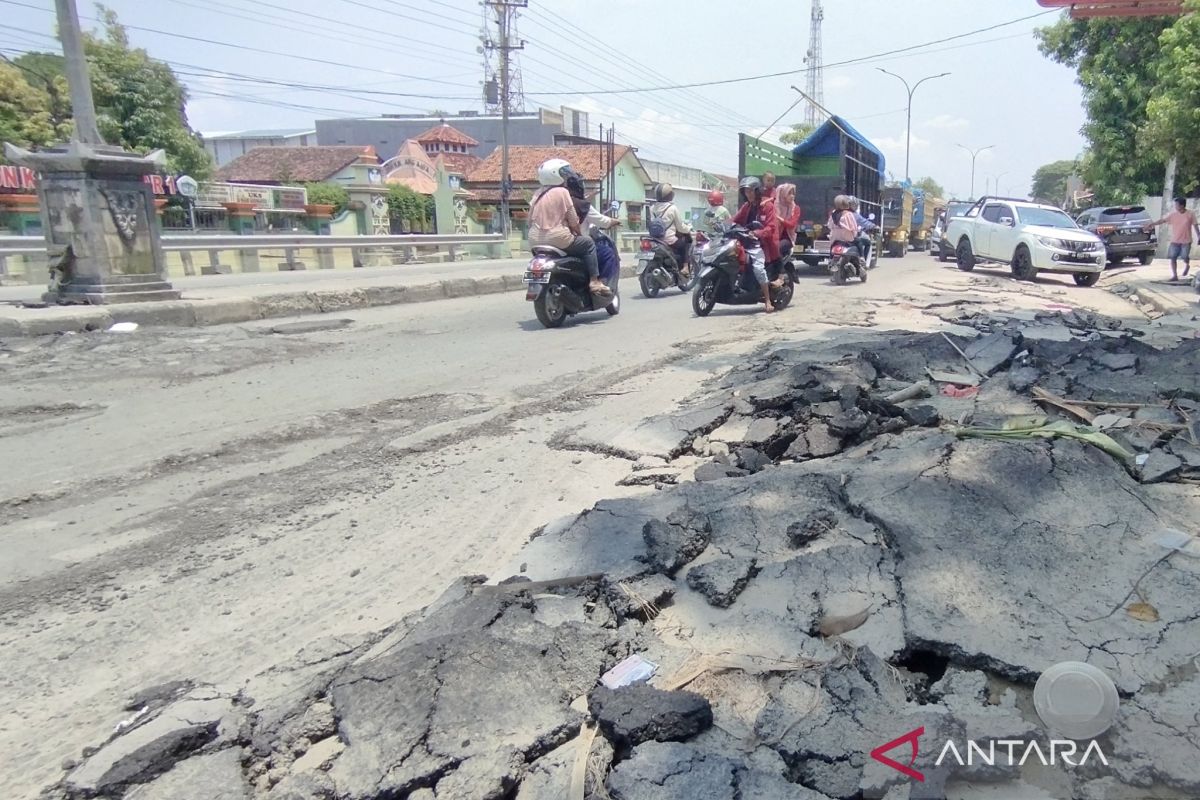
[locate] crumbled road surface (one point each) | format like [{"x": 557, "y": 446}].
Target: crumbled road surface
[{"x": 263, "y": 526}]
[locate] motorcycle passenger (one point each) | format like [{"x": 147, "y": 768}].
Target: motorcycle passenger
[
  {"x": 756, "y": 207},
  {"x": 553, "y": 221},
  {"x": 717, "y": 215},
  {"x": 788, "y": 214},
  {"x": 589, "y": 217},
  {"x": 768, "y": 184},
  {"x": 865, "y": 227},
  {"x": 843, "y": 225},
  {"x": 677, "y": 233},
  {"x": 606, "y": 253}
]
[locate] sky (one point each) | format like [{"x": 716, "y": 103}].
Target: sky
[{"x": 369, "y": 57}]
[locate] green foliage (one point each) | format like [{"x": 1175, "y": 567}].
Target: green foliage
[
  {"x": 1118, "y": 62},
  {"x": 1050, "y": 181},
  {"x": 328, "y": 194},
  {"x": 931, "y": 188},
  {"x": 409, "y": 206},
  {"x": 140, "y": 104},
  {"x": 799, "y": 132},
  {"x": 1173, "y": 126},
  {"x": 26, "y": 117}
]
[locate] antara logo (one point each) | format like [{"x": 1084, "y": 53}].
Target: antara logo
[{"x": 1005, "y": 752}]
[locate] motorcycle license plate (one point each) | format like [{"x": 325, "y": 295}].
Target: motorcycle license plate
[
  {"x": 643, "y": 263},
  {"x": 535, "y": 277}
]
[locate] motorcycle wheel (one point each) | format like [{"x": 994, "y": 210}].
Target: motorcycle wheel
[
  {"x": 649, "y": 289},
  {"x": 839, "y": 275},
  {"x": 783, "y": 295},
  {"x": 550, "y": 312},
  {"x": 704, "y": 297},
  {"x": 614, "y": 307}
]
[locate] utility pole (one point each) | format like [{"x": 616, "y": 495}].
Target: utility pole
[
  {"x": 911, "y": 90},
  {"x": 974, "y": 155},
  {"x": 505, "y": 11}
]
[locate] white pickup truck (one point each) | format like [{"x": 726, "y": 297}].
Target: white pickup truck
[{"x": 1029, "y": 237}]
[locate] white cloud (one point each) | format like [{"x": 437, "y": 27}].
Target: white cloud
[
  {"x": 895, "y": 145},
  {"x": 948, "y": 122},
  {"x": 840, "y": 82}
]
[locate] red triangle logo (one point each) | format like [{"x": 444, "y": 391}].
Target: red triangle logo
[{"x": 912, "y": 738}]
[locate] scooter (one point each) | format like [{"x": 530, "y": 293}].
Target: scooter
[
  {"x": 658, "y": 268},
  {"x": 558, "y": 287},
  {"x": 726, "y": 276},
  {"x": 851, "y": 260}
]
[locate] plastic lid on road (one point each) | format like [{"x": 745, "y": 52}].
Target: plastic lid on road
[{"x": 1076, "y": 700}]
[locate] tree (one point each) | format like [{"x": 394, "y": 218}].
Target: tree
[
  {"x": 1050, "y": 181},
  {"x": 1118, "y": 63},
  {"x": 1173, "y": 113},
  {"x": 328, "y": 194},
  {"x": 409, "y": 207},
  {"x": 25, "y": 114},
  {"x": 799, "y": 132},
  {"x": 140, "y": 103},
  {"x": 931, "y": 187}
]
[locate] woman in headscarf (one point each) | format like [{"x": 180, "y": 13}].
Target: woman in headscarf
[{"x": 788, "y": 214}]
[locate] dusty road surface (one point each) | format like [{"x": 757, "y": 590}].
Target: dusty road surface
[{"x": 201, "y": 504}]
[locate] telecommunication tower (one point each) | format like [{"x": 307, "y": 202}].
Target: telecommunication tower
[
  {"x": 498, "y": 46},
  {"x": 815, "y": 60}
]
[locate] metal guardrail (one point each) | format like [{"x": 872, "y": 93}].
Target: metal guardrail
[{"x": 288, "y": 243}]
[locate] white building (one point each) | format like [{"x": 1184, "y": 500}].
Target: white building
[{"x": 692, "y": 186}]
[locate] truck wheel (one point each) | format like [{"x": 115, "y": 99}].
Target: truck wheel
[
  {"x": 965, "y": 255},
  {"x": 896, "y": 249},
  {"x": 1087, "y": 278},
  {"x": 942, "y": 255},
  {"x": 1146, "y": 259},
  {"x": 1022, "y": 265}
]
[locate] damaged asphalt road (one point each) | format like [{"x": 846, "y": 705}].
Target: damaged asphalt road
[{"x": 815, "y": 567}]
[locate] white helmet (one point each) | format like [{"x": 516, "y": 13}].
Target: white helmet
[{"x": 554, "y": 172}]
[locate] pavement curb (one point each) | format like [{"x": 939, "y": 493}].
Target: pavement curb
[
  {"x": 1145, "y": 295},
  {"x": 204, "y": 312}
]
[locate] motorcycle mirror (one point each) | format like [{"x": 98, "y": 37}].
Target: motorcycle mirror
[
  {"x": 871, "y": 217},
  {"x": 615, "y": 205}
]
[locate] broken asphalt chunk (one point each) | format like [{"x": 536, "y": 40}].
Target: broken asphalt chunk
[
  {"x": 672, "y": 544},
  {"x": 641, "y": 713},
  {"x": 721, "y": 581}
]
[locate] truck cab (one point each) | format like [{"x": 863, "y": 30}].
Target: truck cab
[{"x": 897, "y": 220}]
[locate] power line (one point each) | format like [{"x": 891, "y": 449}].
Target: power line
[
  {"x": 254, "y": 49},
  {"x": 286, "y": 23},
  {"x": 786, "y": 73}
]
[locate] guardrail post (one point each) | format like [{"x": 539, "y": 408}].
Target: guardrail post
[
  {"x": 215, "y": 267},
  {"x": 453, "y": 253},
  {"x": 356, "y": 256},
  {"x": 188, "y": 267},
  {"x": 325, "y": 258},
  {"x": 249, "y": 259},
  {"x": 290, "y": 264}
]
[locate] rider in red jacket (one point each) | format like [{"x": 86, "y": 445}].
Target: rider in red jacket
[{"x": 757, "y": 208}]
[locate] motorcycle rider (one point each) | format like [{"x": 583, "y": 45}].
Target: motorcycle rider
[
  {"x": 677, "y": 233},
  {"x": 589, "y": 217},
  {"x": 865, "y": 227},
  {"x": 843, "y": 223},
  {"x": 553, "y": 221},
  {"x": 758, "y": 208},
  {"x": 717, "y": 215}
]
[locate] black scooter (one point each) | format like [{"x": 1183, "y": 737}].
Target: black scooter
[
  {"x": 659, "y": 269},
  {"x": 726, "y": 276},
  {"x": 558, "y": 287}
]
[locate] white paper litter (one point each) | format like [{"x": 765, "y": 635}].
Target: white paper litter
[
  {"x": 123, "y": 327},
  {"x": 1175, "y": 539},
  {"x": 634, "y": 669}
]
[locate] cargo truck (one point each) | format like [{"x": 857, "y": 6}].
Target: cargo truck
[
  {"x": 897, "y": 220},
  {"x": 925, "y": 213},
  {"x": 835, "y": 159}
]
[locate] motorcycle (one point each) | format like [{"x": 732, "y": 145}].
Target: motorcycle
[
  {"x": 726, "y": 276},
  {"x": 558, "y": 287},
  {"x": 658, "y": 268},
  {"x": 851, "y": 260}
]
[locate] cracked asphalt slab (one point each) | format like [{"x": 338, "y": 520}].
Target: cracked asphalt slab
[{"x": 328, "y": 510}]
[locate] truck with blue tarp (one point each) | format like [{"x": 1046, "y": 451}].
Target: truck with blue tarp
[{"x": 834, "y": 159}]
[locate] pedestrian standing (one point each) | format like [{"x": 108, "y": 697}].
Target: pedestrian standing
[{"x": 1182, "y": 223}]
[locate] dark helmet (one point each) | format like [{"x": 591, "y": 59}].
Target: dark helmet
[
  {"x": 664, "y": 192},
  {"x": 751, "y": 184}
]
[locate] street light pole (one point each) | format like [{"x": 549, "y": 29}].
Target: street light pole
[
  {"x": 911, "y": 90},
  {"x": 996, "y": 178},
  {"x": 974, "y": 155}
]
